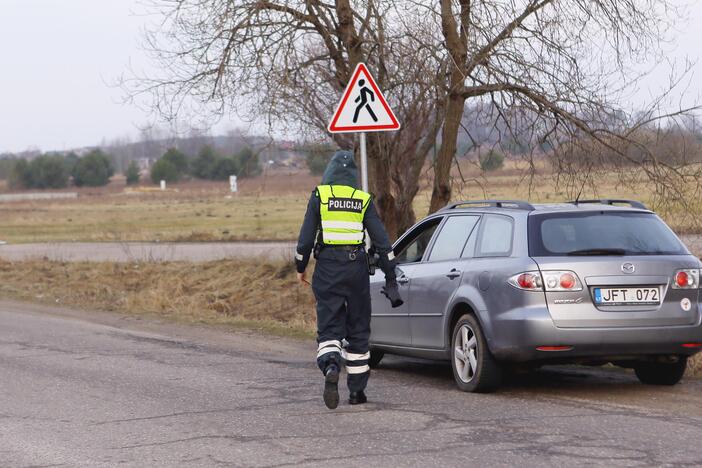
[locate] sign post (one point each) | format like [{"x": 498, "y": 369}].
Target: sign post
[
  {"x": 362, "y": 109},
  {"x": 364, "y": 163}
]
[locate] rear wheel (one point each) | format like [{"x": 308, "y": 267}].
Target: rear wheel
[
  {"x": 474, "y": 367},
  {"x": 375, "y": 357},
  {"x": 661, "y": 373}
]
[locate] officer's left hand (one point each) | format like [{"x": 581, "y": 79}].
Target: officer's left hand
[
  {"x": 392, "y": 292},
  {"x": 302, "y": 277}
]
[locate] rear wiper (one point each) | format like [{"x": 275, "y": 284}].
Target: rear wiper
[{"x": 595, "y": 252}]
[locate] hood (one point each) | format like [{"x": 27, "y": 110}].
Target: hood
[{"x": 341, "y": 170}]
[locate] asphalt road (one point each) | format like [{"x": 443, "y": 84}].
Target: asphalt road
[{"x": 89, "y": 389}]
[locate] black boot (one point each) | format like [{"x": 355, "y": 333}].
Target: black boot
[
  {"x": 357, "y": 398},
  {"x": 331, "y": 387}
]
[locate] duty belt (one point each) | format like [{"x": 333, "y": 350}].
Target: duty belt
[
  {"x": 353, "y": 250},
  {"x": 348, "y": 248}
]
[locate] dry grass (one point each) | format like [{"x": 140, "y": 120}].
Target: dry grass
[{"x": 251, "y": 294}]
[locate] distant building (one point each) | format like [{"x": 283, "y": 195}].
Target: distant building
[{"x": 145, "y": 163}]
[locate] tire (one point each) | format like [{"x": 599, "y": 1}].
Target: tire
[
  {"x": 482, "y": 373},
  {"x": 661, "y": 373},
  {"x": 375, "y": 357}
]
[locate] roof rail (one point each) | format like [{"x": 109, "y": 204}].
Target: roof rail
[
  {"x": 612, "y": 201},
  {"x": 513, "y": 204}
]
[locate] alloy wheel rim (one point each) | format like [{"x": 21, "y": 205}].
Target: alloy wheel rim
[{"x": 465, "y": 353}]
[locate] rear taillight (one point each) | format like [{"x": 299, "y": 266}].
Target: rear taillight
[
  {"x": 527, "y": 281},
  {"x": 561, "y": 281},
  {"x": 546, "y": 280},
  {"x": 686, "y": 279}
]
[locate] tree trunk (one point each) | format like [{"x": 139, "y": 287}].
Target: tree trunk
[
  {"x": 408, "y": 180},
  {"x": 441, "y": 194},
  {"x": 380, "y": 184},
  {"x": 457, "y": 46},
  {"x": 406, "y": 215}
]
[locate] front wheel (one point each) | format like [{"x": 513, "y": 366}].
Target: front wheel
[
  {"x": 474, "y": 367},
  {"x": 661, "y": 373}
]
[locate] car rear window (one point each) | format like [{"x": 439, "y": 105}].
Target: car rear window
[{"x": 631, "y": 233}]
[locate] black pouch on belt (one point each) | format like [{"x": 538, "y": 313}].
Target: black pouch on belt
[{"x": 372, "y": 259}]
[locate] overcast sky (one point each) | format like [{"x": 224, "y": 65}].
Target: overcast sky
[{"x": 60, "y": 58}]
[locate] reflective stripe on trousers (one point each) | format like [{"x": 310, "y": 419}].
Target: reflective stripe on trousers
[
  {"x": 356, "y": 363},
  {"x": 331, "y": 346}
]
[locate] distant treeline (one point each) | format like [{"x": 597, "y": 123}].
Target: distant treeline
[
  {"x": 56, "y": 171},
  {"x": 154, "y": 142},
  {"x": 208, "y": 164}
]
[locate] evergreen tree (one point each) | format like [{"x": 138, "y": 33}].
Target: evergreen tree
[
  {"x": 93, "y": 170},
  {"x": 133, "y": 173}
]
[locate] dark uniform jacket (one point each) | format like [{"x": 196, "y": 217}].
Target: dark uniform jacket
[{"x": 343, "y": 174}]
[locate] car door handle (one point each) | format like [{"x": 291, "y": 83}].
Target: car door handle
[
  {"x": 453, "y": 274},
  {"x": 403, "y": 280}
]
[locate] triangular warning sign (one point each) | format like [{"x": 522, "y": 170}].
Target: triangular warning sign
[{"x": 363, "y": 107}]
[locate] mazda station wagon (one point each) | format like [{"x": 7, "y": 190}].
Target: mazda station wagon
[{"x": 491, "y": 285}]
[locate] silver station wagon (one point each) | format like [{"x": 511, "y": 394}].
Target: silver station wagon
[{"x": 495, "y": 284}]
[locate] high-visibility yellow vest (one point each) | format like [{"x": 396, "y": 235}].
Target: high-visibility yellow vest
[{"x": 342, "y": 209}]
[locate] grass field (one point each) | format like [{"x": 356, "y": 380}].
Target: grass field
[
  {"x": 154, "y": 218},
  {"x": 264, "y": 210},
  {"x": 269, "y": 207}
]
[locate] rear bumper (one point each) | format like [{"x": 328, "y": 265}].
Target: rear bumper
[{"x": 515, "y": 335}]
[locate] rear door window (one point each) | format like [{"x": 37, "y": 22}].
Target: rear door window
[
  {"x": 495, "y": 238},
  {"x": 452, "y": 239}
]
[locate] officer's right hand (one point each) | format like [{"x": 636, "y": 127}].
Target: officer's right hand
[{"x": 302, "y": 277}]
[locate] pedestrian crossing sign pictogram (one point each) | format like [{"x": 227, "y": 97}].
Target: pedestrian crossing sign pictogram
[{"x": 363, "y": 107}]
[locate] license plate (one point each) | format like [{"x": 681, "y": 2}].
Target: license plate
[{"x": 627, "y": 296}]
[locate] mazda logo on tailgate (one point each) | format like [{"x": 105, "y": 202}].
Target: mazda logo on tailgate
[{"x": 628, "y": 268}]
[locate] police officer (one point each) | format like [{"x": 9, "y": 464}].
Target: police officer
[{"x": 337, "y": 214}]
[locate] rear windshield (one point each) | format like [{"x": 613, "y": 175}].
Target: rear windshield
[{"x": 624, "y": 233}]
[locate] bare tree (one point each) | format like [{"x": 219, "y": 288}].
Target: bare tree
[
  {"x": 562, "y": 65},
  {"x": 287, "y": 61},
  {"x": 551, "y": 74}
]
